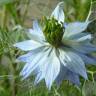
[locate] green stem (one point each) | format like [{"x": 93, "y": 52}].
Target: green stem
[
  {"x": 12, "y": 70},
  {"x": 4, "y": 17},
  {"x": 82, "y": 94},
  {"x": 89, "y": 11},
  {"x": 13, "y": 73}
]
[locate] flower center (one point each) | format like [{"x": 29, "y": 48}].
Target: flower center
[{"x": 53, "y": 31}]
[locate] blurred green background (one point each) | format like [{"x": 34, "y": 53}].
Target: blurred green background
[{"x": 15, "y": 17}]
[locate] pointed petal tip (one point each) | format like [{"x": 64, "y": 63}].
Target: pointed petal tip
[
  {"x": 60, "y": 3},
  {"x": 14, "y": 45},
  {"x": 17, "y": 60},
  {"x": 58, "y": 12},
  {"x": 23, "y": 76},
  {"x": 35, "y": 82},
  {"x": 78, "y": 84},
  {"x": 49, "y": 88},
  {"x": 85, "y": 76}
]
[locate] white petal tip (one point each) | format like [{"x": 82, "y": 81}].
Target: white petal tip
[
  {"x": 14, "y": 45},
  {"x": 61, "y": 3},
  {"x": 58, "y": 13},
  {"x": 17, "y": 60}
]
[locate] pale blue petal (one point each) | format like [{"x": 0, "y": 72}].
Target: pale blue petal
[
  {"x": 38, "y": 78},
  {"x": 36, "y": 33},
  {"x": 88, "y": 59},
  {"x": 30, "y": 56},
  {"x": 52, "y": 69},
  {"x": 40, "y": 72},
  {"x": 77, "y": 40},
  {"x": 28, "y": 45},
  {"x": 81, "y": 37},
  {"x": 79, "y": 45},
  {"x": 75, "y": 28},
  {"x": 73, "y": 77},
  {"x": 69, "y": 42},
  {"x": 58, "y": 13},
  {"x": 66, "y": 74},
  {"x": 26, "y": 57},
  {"x": 43, "y": 63},
  {"x": 85, "y": 48},
  {"x": 74, "y": 64},
  {"x": 35, "y": 36},
  {"x": 36, "y": 27},
  {"x": 65, "y": 25},
  {"x": 31, "y": 66}
]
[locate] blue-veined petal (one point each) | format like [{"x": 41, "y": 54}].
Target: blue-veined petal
[
  {"x": 75, "y": 28},
  {"x": 51, "y": 69},
  {"x": 35, "y": 36},
  {"x": 31, "y": 66},
  {"x": 36, "y": 33},
  {"x": 41, "y": 72},
  {"x": 69, "y": 42},
  {"x": 37, "y": 28},
  {"x": 81, "y": 44},
  {"x": 66, "y": 74},
  {"x": 73, "y": 77},
  {"x": 81, "y": 37},
  {"x": 77, "y": 40},
  {"x": 28, "y": 45},
  {"x": 87, "y": 37},
  {"x": 26, "y": 57},
  {"x": 74, "y": 63},
  {"x": 30, "y": 56},
  {"x": 58, "y": 13},
  {"x": 38, "y": 78},
  {"x": 65, "y": 25},
  {"x": 84, "y": 48},
  {"x": 88, "y": 59}
]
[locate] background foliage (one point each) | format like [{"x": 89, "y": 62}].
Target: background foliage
[{"x": 14, "y": 20}]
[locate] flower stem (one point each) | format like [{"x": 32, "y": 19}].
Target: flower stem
[
  {"x": 13, "y": 87},
  {"x": 12, "y": 67},
  {"x": 4, "y": 17}
]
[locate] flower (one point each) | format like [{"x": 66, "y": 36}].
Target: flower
[{"x": 57, "y": 51}]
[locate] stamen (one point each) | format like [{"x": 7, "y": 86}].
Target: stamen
[{"x": 53, "y": 31}]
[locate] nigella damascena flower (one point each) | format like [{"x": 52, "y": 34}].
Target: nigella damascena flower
[{"x": 57, "y": 51}]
